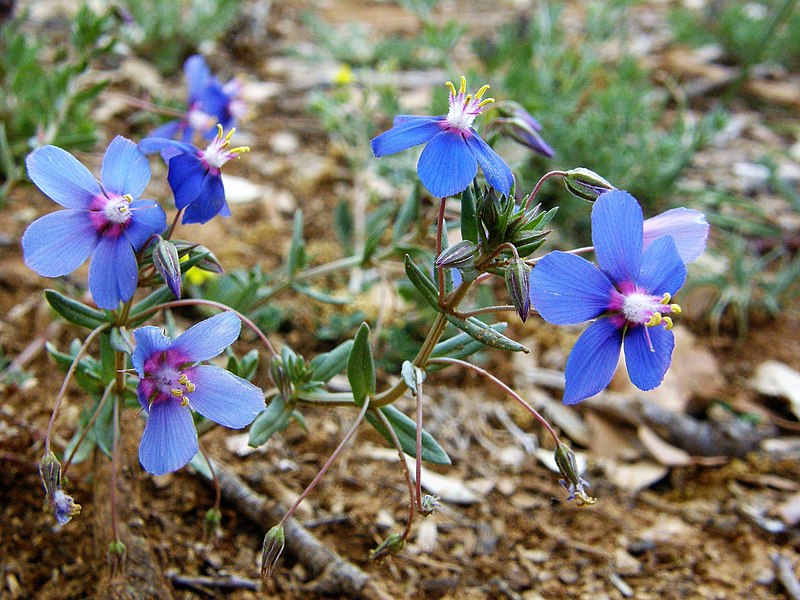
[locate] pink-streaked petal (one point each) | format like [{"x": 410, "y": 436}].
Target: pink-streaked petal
[
  {"x": 147, "y": 219},
  {"x": 687, "y": 227},
  {"x": 446, "y": 166},
  {"x": 223, "y": 397},
  {"x": 169, "y": 440},
  {"x": 647, "y": 368},
  {"x": 496, "y": 171},
  {"x": 125, "y": 168},
  {"x": 59, "y": 243},
  {"x": 113, "y": 272},
  {"x": 149, "y": 341},
  {"x": 62, "y": 178},
  {"x": 567, "y": 289},
  {"x": 408, "y": 133},
  {"x": 208, "y": 338},
  {"x": 617, "y": 235},
  {"x": 592, "y": 362},
  {"x": 662, "y": 268}
]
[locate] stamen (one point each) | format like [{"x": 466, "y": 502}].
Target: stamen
[
  {"x": 484, "y": 102},
  {"x": 667, "y": 323},
  {"x": 481, "y": 91},
  {"x": 654, "y": 320},
  {"x": 666, "y": 298},
  {"x": 185, "y": 401},
  {"x": 452, "y": 88},
  {"x": 649, "y": 341},
  {"x": 176, "y": 392},
  {"x": 675, "y": 308},
  {"x": 463, "y": 87}
]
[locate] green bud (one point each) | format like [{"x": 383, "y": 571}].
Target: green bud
[
  {"x": 575, "y": 484},
  {"x": 458, "y": 255},
  {"x": 430, "y": 504},
  {"x": 392, "y": 545},
  {"x": 280, "y": 377},
  {"x": 168, "y": 265},
  {"x": 211, "y": 522},
  {"x": 271, "y": 551},
  {"x": 518, "y": 283},
  {"x": 586, "y": 184}
]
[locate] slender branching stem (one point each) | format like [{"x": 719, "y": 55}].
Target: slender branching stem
[
  {"x": 217, "y": 490},
  {"x": 88, "y": 428},
  {"x": 412, "y": 503},
  {"x": 114, "y": 468},
  {"x": 439, "y": 235},
  {"x": 539, "y": 184}
]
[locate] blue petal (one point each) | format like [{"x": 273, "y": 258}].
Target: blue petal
[
  {"x": 446, "y": 166},
  {"x": 209, "y": 203},
  {"x": 567, "y": 289},
  {"x": 662, "y": 268},
  {"x": 113, "y": 272},
  {"x": 410, "y": 132},
  {"x": 592, "y": 362},
  {"x": 208, "y": 338},
  {"x": 197, "y": 75},
  {"x": 617, "y": 235},
  {"x": 149, "y": 341},
  {"x": 152, "y": 144},
  {"x": 496, "y": 171},
  {"x": 186, "y": 175},
  {"x": 223, "y": 397},
  {"x": 687, "y": 227},
  {"x": 168, "y": 131},
  {"x": 645, "y": 368},
  {"x": 125, "y": 168},
  {"x": 61, "y": 177},
  {"x": 169, "y": 440},
  {"x": 147, "y": 218},
  {"x": 59, "y": 243}
]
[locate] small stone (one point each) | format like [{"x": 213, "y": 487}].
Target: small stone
[{"x": 567, "y": 575}]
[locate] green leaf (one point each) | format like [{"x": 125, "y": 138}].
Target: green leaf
[
  {"x": 277, "y": 417},
  {"x": 469, "y": 216},
  {"x": 406, "y": 430},
  {"x": 361, "y": 367},
  {"x": 74, "y": 311},
  {"x": 459, "y": 346},
  {"x": 413, "y": 376},
  {"x": 297, "y": 250},
  {"x": 423, "y": 284},
  {"x": 343, "y": 226},
  {"x": 325, "y": 366},
  {"x": 486, "y": 335},
  {"x": 406, "y": 215},
  {"x": 319, "y": 295}
]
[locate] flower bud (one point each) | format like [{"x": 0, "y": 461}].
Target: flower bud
[
  {"x": 211, "y": 521},
  {"x": 390, "y": 546},
  {"x": 518, "y": 284},
  {"x": 429, "y": 505},
  {"x": 458, "y": 255},
  {"x": 271, "y": 551},
  {"x": 518, "y": 124},
  {"x": 586, "y": 184},
  {"x": 167, "y": 263},
  {"x": 575, "y": 484},
  {"x": 50, "y": 474},
  {"x": 117, "y": 553}
]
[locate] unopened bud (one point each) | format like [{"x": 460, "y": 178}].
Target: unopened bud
[
  {"x": 209, "y": 262},
  {"x": 117, "y": 553},
  {"x": 280, "y": 377},
  {"x": 50, "y": 473},
  {"x": 518, "y": 284},
  {"x": 517, "y": 123},
  {"x": 575, "y": 484},
  {"x": 167, "y": 264},
  {"x": 390, "y": 546},
  {"x": 458, "y": 255},
  {"x": 586, "y": 184},
  {"x": 274, "y": 542},
  {"x": 211, "y": 522}
]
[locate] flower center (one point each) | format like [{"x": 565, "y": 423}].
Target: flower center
[
  {"x": 219, "y": 151},
  {"x": 166, "y": 379},
  {"x": 465, "y": 107},
  {"x": 200, "y": 120},
  {"x": 644, "y": 309},
  {"x": 117, "y": 210}
]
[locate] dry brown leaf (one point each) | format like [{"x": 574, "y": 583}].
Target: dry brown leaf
[
  {"x": 774, "y": 378},
  {"x": 632, "y": 477},
  {"x": 665, "y": 453},
  {"x": 611, "y": 440}
]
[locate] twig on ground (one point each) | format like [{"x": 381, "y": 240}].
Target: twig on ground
[
  {"x": 227, "y": 582},
  {"x": 334, "y": 575},
  {"x": 785, "y": 574}
]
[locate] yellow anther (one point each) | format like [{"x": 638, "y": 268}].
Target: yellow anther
[
  {"x": 481, "y": 92},
  {"x": 128, "y": 198},
  {"x": 667, "y": 323},
  {"x": 176, "y": 392},
  {"x": 675, "y": 308},
  {"x": 185, "y": 401},
  {"x": 230, "y": 133},
  {"x": 485, "y": 102},
  {"x": 220, "y": 131},
  {"x": 452, "y": 87},
  {"x": 240, "y": 150},
  {"x": 654, "y": 320},
  {"x": 666, "y": 298},
  {"x": 463, "y": 87},
  {"x": 183, "y": 379},
  {"x": 191, "y": 387}
]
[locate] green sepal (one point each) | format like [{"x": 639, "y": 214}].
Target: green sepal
[
  {"x": 276, "y": 417},
  {"x": 325, "y": 366},
  {"x": 74, "y": 311},
  {"x": 361, "y": 366},
  {"x": 405, "y": 429},
  {"x": 469, "y": 216}
]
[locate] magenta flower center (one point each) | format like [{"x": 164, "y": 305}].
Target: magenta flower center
[
  {"x": 110, "y": 215},
  {"x": 167, "y": 378},
  {"x": 636, "y": 307},
  {"x": 219, "y": 151},
  {"x": 465, "y": 107}
]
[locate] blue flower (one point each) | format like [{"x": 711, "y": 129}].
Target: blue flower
[
  {"x": 194, "y": 175},
  {"x": 209, "y": 103},
  {"x": 629, "y": 295},
  {"x": 172, "y": 384},
  {"x": 106, "y": 221},
  {"x": 688, "y": 229},
  {"x": 449, "y": 162}
]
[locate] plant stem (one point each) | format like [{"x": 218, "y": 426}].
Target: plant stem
[
  {"x": 88, "y": 427},
  {"x": 404, "y": 465},
  {"x": 539, "y": 184}
]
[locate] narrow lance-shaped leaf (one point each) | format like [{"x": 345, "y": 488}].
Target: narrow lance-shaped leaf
[
  {"x": 325, "y": 366},
  {"x": 406, "y": 430},
  {"x": 361, "y": 367},
  {"x": 74, "y": 311},
  {"x": 277, "y": 417}
]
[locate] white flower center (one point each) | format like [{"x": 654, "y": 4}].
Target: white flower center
[
  {"x": 464, "y": 107},
  {"x": 118, "y": 209}
]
